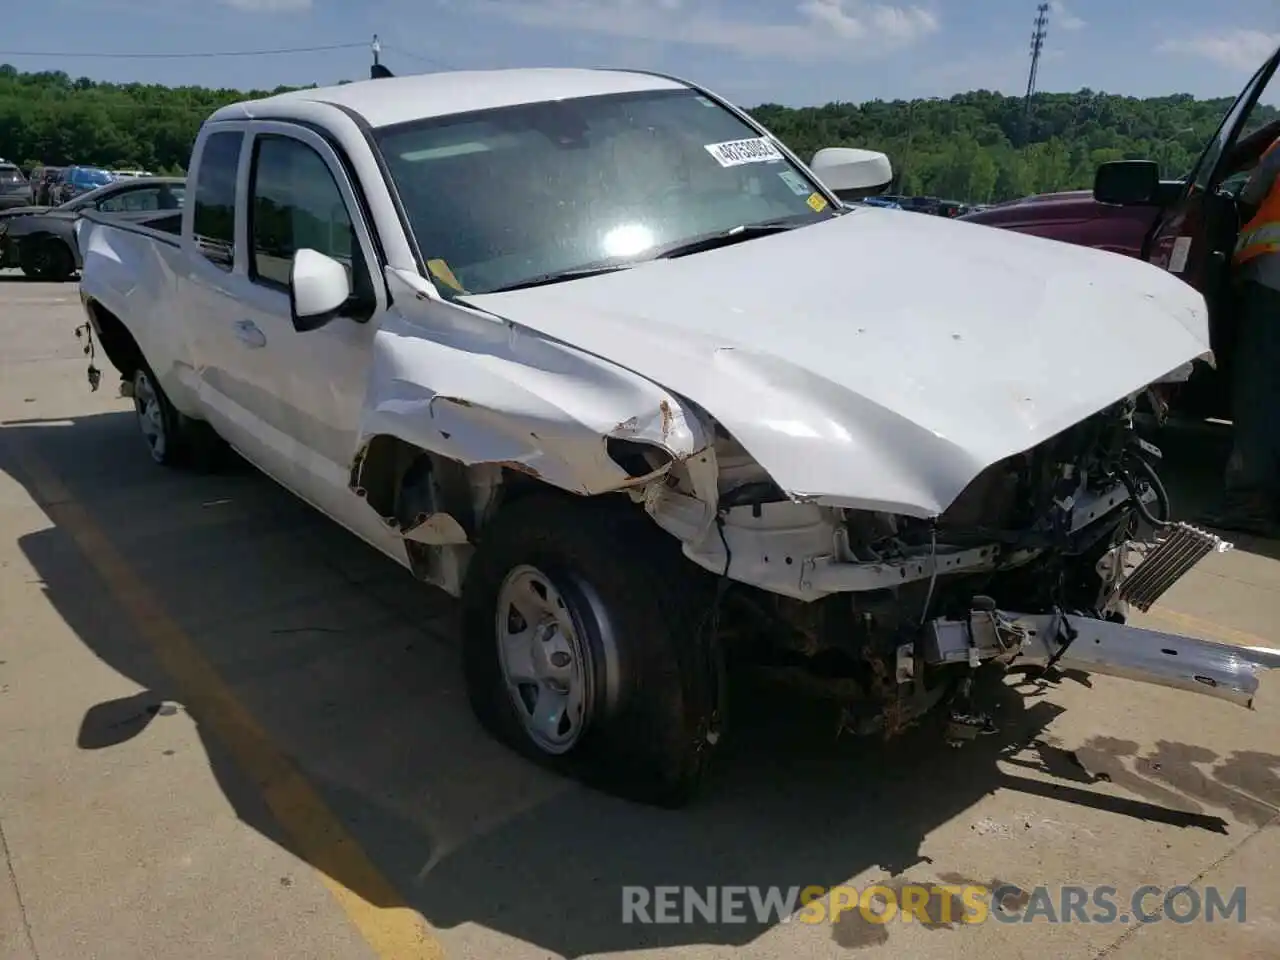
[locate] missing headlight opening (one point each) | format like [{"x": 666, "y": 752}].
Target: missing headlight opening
[{"x": 837, "y": 600}]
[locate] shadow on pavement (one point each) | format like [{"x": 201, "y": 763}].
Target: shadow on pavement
[
  {"x": 351, "y": 667},
  {"x": 17, "y": 276},
  {"x": 1195, "y": 457}
]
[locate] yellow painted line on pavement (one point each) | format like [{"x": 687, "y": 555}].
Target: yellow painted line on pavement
[
  {"x": 1213, "y": 631},
  {"x": 393, "y": 929}
]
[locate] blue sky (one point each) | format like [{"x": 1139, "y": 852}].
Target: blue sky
[{"x": 787, "y": 51}]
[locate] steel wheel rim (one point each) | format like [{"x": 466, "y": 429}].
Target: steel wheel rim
[
  {"x": 546, "y": 666},
  {"x": 146, "y": 404}
]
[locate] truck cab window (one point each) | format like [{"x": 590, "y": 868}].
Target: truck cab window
[
  {"x": 151, "y": 198},
  {"x": 295, "y": 204},
  {"x": 215, "y": 201}
]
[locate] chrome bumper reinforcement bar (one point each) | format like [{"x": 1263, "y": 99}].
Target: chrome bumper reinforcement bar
[{"x": 1220, "y": 670}]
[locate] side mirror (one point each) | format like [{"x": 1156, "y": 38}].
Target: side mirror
[
  {"x": 319, "y": 287},
  {"x": 1127, "y": 182},
  {"x": 851, "y": 173}
]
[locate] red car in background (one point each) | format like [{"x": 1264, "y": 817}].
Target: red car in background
[{"x": 1188, "y": 226}]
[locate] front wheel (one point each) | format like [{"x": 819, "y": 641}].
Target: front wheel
[
  {"x": 44, "y": 258},
  {"x": 583, "y": 649}
]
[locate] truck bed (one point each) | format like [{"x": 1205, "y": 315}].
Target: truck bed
[{"x": 130, "y": 278}]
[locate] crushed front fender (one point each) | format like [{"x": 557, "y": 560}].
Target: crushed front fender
[{"x": 476, "y": 391}]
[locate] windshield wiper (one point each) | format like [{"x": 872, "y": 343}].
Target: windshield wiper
[
  {"x": 559, "y": 276},
  {"x": 739, "y": 234}
]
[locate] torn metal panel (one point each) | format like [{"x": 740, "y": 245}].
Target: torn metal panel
[
  {"x": 437, "y": 529},
  {"x": 978, "y": 345},
  {"x": 489, "y": 393}
]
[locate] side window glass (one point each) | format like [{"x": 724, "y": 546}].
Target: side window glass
[
  {"x": 1227, "y": 133},
  {"x": 1264, "y": 112},
  {"x": 215, "y": 202},
  {"x": 295, "y": 205},
  {"x": 131, "y": 200}
]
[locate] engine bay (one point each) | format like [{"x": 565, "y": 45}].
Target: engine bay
[{"x": 836, "y": 601}]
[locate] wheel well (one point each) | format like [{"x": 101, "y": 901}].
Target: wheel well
[
  {"x": 41, "y": 236},
  {"x": 403, "y": 483},
  {"x": 115, "y": 339}
]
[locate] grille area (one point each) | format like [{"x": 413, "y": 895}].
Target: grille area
[{"x": 1166, "y": 562}]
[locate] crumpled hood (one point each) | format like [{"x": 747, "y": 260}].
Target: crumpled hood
[{"x": 881, "y": 361}]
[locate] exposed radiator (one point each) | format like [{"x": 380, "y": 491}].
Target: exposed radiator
[{"x": 1164, "y": 563}]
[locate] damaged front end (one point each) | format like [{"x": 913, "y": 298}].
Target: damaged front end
[{"x": 1037, "y": 563}]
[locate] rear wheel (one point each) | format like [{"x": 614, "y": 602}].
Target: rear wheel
[
  {"x": 582, "y": 648},
  {"x": 173, "y": 440}
]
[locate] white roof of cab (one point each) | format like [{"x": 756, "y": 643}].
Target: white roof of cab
[{"x": 395, "y": 100}]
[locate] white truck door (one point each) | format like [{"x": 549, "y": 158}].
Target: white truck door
[
  {"x": 214, "y": 258},
  {"x": 311, "y": 384}
]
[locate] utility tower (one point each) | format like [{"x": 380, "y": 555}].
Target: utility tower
[
  {"x": 1037, "y": 46},
  {"x": 377, "y": 71}
]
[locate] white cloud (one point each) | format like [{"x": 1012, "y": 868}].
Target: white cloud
[
  {"x": 1241, "y": 50},
  {"x": 813, "y": 28},
  {"x": 268, "y": 6},
  {"x": 857, "y": 21},
  {"x": 1064, "y": 19}
]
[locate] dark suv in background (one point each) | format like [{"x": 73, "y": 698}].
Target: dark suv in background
[
  {"x": 45, "y": 183},
  {"x": 14, "y": 189}
]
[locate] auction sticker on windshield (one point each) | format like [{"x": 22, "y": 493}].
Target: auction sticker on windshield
[{"x": 732, "y": 153}]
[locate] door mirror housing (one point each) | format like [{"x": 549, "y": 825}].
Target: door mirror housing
[
  {"x": 1127, "y": 182},
  {"x": 319, "y": 288},
  {"x": 852, "y": 174}
]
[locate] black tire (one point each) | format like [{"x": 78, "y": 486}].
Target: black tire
[
  {"x": 46, "y": 258},
  {"x": 31, "y": 259},
  {"x": 637, "y": 607},
  {"x": 183, "y": 442},
  {"x": 62, "y": 261}
]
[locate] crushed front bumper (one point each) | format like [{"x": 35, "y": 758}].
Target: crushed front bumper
[
  {"x": 1220, "y": 670},
  {"x": 1134, "y": 574}
]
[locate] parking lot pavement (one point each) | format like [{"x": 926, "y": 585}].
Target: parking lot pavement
[{"x": 228, "y": 727}]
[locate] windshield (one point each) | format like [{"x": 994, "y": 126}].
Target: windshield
[
  {"x": 498, "y": 197},
  {"x": 95, "y": 178}
]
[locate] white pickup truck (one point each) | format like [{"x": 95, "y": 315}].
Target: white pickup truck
[{"x": 595, "y": 352}]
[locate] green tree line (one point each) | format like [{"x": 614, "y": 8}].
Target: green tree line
[
  {"x": 975, "y": 147},
  {"x": 980, "y": 147}
]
